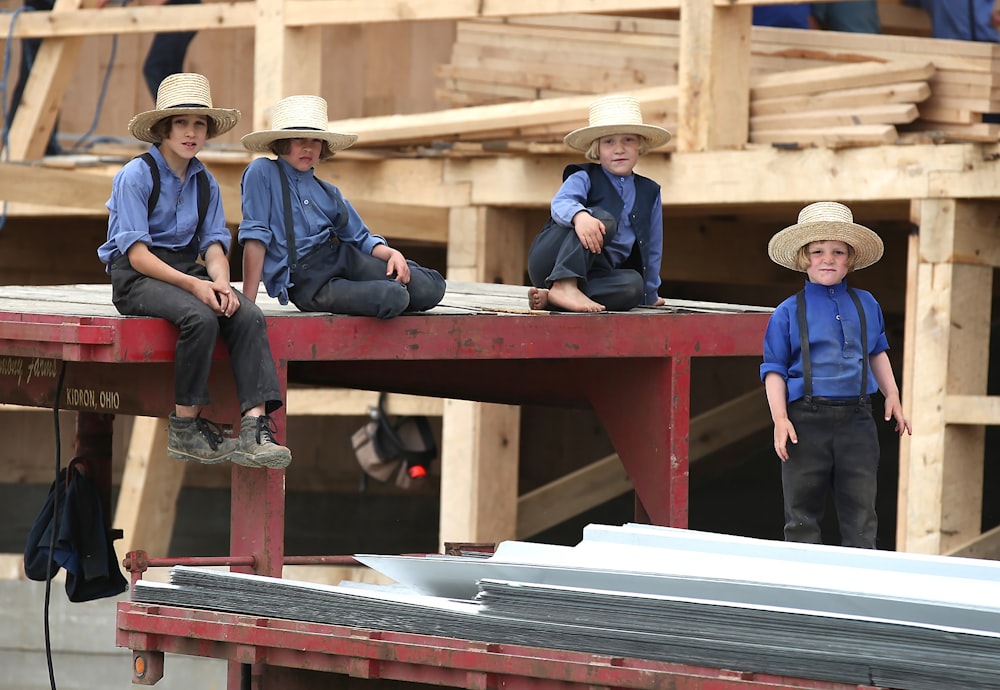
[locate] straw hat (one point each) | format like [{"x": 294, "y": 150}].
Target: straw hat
[
  {"x": 298, "y": 117},
  {"x": 182, "y": 94},
  {"x": 615, "y": 115},
  {"x": 825, "y": 220}
]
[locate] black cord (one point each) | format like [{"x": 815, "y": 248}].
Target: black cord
[{"x": 55, "y": 524}]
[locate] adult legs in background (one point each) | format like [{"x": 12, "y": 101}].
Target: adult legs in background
[
  {"x": 166, "y": 53},
  {"x": 165, "y": 57}
]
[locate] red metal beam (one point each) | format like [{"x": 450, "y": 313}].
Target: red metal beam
[
  {"x": 632, "y": 368},
  {"x": 419, "y": 658}
]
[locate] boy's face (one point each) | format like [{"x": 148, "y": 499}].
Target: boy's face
[
  {"x": 186, "y": 138},
  {"x": 827, "y": 261},
  {"x": 619, "y": 153},
  {"x": 303, "y": 153}
]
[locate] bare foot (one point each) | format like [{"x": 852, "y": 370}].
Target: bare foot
[
  {"x": 538, "y": 298},
  {"x": 566, "y": 295}
]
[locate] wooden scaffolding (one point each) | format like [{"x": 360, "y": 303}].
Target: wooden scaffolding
[{"x": 475, "y": 180}]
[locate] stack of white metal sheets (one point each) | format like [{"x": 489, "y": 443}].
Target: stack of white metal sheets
[{"x": 895, "y": 620}]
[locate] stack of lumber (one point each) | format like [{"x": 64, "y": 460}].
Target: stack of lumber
[
  {"x": 839, "y": 88},
  {"x": 964, "y": 85},
  {"x": 841, "y": 105}
]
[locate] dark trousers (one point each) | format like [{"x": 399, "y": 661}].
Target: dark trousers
[
  {"x": 244, "y": 333},
  {"x": 556, "y": 254},
  {"x": 837, "y": 451},
  {"x": 341, "y": 279},
  {"x": 166, "y": 53}
]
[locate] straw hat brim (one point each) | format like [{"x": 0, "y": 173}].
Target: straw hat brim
[
  {"x": 784, "y": 246},
  {"x": 141, "y": 126},
  {"x": 581, "y": 139},
  {"x": 261, "y": 141}
]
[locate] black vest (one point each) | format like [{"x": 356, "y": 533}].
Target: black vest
[{"x": 604, "y": 195}]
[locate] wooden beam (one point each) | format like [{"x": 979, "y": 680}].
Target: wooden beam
[
  {"x": 481, "y": 441},
  {"x": 723, "y": 178},
  {"x": 832, "y": 137},
  {"x": 479, "y": 461},
  {"x": 726, "y": 424},
  {"x": 396, "y": 129},
  {"x": 908, "y": 373},
  {"x": 834, "y": 77},
  {"x": 150, "y": 485},
  {"x": 43, "y": 93},
  {"x": 131, "y": 20},
  {"x": 605, "y": 479},
  {"x": 570, "y": 495},
  {"x": 346, "y": 401},
  {"x": 986, "y": 545},
  {"x": 893, "y": 113},
  {"x": 78, "y": 190},
  {"x": 714, "y": 64},
  {"x": 942, "y": 504},
  {"x": 906, "y": 92},
  {"x": 307, "y": 12},
  {"x": 278, "y": 60},
  {"x": 982, "y": 410}
]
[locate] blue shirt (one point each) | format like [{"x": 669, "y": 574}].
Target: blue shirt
[
  {"x": 951, "y": 19},
  {"x": 175, "y": 217},
  {"x": 572, "y": 198},
  {"x": 315, "y": 211},
  {"x": 835, "y": 348}
]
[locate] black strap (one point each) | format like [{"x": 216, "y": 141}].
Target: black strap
[
  {"x": 154, "y": 195},
  {"x": 800, "y": 304},
  {"x": 807, "y": 375},
  {"x": 864, "y": 342},
  {"x": 335, "y": 194},
  {"x": 286, "y": 202}
]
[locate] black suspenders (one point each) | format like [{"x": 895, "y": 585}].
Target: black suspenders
[
  {"x": 286, "y": 202},
  {"x": 800, "y": 303}
]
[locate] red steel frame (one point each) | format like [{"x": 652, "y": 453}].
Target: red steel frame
[{"x": 634, "y": 369}]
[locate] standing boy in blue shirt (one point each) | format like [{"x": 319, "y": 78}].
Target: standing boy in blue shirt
[
  {"x": 601, "y": 248},
  {"x": 305, "y": 240},
  {"x": 824, "y": 355},
  {"x": 152, "y": 255}
]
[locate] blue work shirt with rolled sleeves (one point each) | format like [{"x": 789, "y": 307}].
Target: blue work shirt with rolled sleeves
[
  {"x": 174, "y": 220},
  {"x": 316, "y": 212},
  {"x": 835, "y": 347},
  {"x": 571, "y": 199}
]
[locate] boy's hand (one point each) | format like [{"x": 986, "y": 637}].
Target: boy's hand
[
  {"x": 590, "y": 232},
  {"x": 894, "y": 410},
  {"x": 784, "y": 431},
  {"x": 396, "y": 267},
  {"x": 225, "y": 298}
]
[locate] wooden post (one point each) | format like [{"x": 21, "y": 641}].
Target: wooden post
[
  {"x": 279, "y": 55},
  {"x": 940, "y": 500},
  {"x": 714, "y": 79},
  {"x": 43, "y": 93},
  {"x": 150, "y": 485},
  {"x": 480, "y": 441}
]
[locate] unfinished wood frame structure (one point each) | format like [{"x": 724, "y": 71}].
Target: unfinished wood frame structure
[{"x": 950, "y": 189}]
